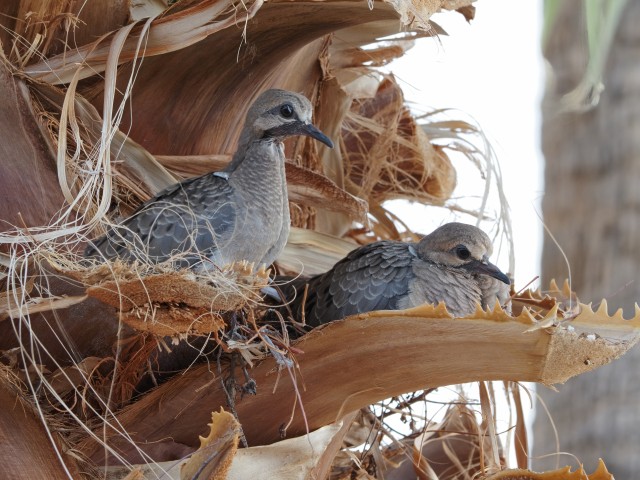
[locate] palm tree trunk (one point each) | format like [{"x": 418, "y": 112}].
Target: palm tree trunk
[{"x": 592, "y": 207}]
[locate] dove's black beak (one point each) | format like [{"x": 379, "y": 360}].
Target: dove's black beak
[
  {"x": 485, "y": 267},
  {"x": 299, "y": 127},
  {"x": 310, "y": 130}
]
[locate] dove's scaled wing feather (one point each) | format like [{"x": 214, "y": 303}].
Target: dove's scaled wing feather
[
  {"x": 188, "y": 216},
  {"x": 373, "y": 277}
]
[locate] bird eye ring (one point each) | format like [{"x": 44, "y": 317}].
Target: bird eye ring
[
  {"x": 462, "y": 252},
  {"x": 286, "y": 110}
]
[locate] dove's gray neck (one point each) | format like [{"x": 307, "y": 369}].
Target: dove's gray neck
[
  {"x": 259, "y": 179},
  {"x": 436, "y": 282},
  {"x": 246, "y": 140},
  {"x": 258, "y": 162}
]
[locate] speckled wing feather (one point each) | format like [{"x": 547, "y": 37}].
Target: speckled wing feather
[
  {"x": 372, "y": 277},
  {"x": 178, "y": 219}
]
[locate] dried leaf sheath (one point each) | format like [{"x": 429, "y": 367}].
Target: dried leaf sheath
[
  {"x": 388, "y": 155},
  {"x": 24, "y": 437},
  {"x": 382, "y": 354}
]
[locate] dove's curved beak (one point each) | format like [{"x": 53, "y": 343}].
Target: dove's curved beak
[
  {"x": 485, "y": 267},
  {"x": 299, "y": 127},
  {"x": 310, "y": 130}
]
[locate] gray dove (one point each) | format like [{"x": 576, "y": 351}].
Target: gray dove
[
  {"x": 450, "y": 264},
  {"x": 239, "y": 213}
]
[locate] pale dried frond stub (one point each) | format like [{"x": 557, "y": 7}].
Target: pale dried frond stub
[
  {"x": 311, "y": 253},
  {"x": 217, "y": 450},
  {"x": 175, "y": 303}
]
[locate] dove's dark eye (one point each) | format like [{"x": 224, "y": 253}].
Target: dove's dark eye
[
  {"x": 286, "y": 110},
  {"x": 462, "y": 252}
]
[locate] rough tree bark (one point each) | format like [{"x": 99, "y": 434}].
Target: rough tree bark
[{"x": 592, "y": 206}]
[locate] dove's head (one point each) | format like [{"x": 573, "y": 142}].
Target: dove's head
[
  {"x": 278, "y": 114},
  {"x": 462, "y": 246}
]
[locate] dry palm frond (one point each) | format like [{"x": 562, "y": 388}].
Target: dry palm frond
[
  {"x": 305, "y": 456},
  {"x": 521, "y": 443},
  {"x": 23, "y": 433},
  {"x": 425, "y": 341}
]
